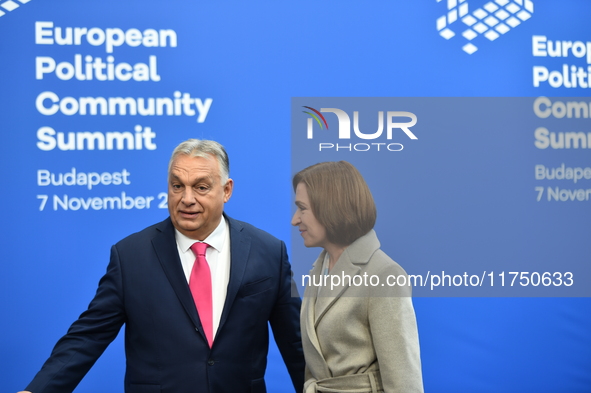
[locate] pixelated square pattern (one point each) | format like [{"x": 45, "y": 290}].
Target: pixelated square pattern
[
  {"x": 10, "y": 5},
  {"x": 493, "y": 19}
]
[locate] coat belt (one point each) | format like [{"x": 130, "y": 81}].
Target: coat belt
[{"x": 355, "y": 383}]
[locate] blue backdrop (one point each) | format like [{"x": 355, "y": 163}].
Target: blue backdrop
[{"x": 107, "y": 89}]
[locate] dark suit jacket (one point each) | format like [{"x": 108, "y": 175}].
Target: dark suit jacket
[{"x": 166, "y": 350}]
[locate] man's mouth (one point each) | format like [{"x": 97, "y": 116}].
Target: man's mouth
[{"x": 187, "y": 214}]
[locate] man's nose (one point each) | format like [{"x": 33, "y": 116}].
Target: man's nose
[{"x": 188, "y": 197}]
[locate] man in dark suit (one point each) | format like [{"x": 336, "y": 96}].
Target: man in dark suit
[{"x": 152, "y": 285}]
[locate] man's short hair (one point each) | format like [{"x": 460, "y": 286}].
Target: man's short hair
[
  {"x": 206, "y": 149},
  {"x": 340, "y": 200}
]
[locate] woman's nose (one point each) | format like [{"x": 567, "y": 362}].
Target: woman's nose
[{"x": 295, "y": 220}]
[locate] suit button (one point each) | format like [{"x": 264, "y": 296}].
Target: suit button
[
  {"x": 210, "y": 362},
  {"x": 197, "y": 329}
]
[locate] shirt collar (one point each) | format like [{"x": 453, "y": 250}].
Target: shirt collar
[{"x": 215, "y": 239}]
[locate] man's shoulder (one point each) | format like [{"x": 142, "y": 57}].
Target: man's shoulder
[
  {"x": 245, "y": 229},
  {"x": 148, "y": 233}
]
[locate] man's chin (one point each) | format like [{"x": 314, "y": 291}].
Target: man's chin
[
  {"x": 190, "y": 227},
  {"x": 187, "y": 225}
]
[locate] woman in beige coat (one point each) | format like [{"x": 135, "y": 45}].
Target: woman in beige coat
[{"x": 359, "y": 329}]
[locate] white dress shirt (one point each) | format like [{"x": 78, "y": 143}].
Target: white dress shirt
[{"x": 218, "y": 258}]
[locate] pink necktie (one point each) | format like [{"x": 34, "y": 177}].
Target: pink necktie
[{"x": 200, "y": 285}]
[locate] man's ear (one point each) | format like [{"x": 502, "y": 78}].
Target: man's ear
[{"x": 228, "y": 188}]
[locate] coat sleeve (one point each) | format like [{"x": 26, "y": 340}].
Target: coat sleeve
[
  {"x": 88, "y": 337},
  {"x": 285, "y": 323},
  {"x": 394, "y": 331}
]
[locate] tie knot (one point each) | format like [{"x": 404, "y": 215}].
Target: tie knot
[{"x": 199, "y": 248}]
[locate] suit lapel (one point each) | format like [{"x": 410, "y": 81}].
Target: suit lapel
[
  {"x": 166, "y": 250},
  {"x": 239, "y": 251}
]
